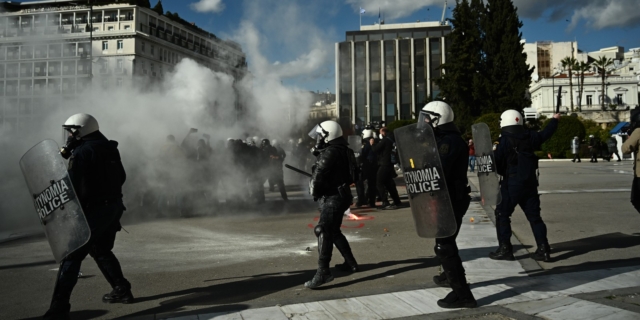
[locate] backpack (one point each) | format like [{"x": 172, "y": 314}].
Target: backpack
[
  {"x": 354, "y": 169},
  {"x": 521, "y": 155},
  {"x": 394, "y": 152}
]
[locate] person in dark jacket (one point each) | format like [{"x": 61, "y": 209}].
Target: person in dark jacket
[
  {"x": 612, "y": 145},
  {"x": 518, "y": 166},
  {"x": 97, "y": 175},
  {"x": 594, "y": 144},
  {"x": 368, "y": 171},
  {"x": 333, "y": 173},
  {"x": 454, "y": 152},
  {"x": 386, "y": 171}
]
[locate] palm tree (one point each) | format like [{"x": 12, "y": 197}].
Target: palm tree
[
  {"x": 602, "y": 63},
  {"x": 581, "y": 68},
  {"x": 569, "y": 63}
]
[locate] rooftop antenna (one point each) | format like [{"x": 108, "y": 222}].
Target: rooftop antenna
[{"x": 444, "y": 10}]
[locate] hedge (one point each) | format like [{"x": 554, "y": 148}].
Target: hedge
[{"x": 560, "y": 142}]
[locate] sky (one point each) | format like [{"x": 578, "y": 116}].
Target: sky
[{"x": 297, "y": 37}]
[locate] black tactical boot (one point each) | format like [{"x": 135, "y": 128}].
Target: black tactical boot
[
  {"x": 454, "y": 301},
  {"x": 441, "y": 280},
  {"x": 384, "y": 205},
  {"x": 543, "y": 253},
  {"x": 461, "y": 296},
  {"x": 59, "y": 310},
  {"x": 119, "y": 294},
  {"x": 323, "y": 275},
  {"x": 504, "y": 252}
]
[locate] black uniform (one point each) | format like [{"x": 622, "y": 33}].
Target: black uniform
[
  {"x": 275, "y": 175},
  {"x": 386, "y": 172},
  {"x": 594, "y": 145},
  {"x": 333, "y": 172},
  {"x": 518, "y": 165},
  {"x": 368, "y": 171},
  {"x": 454, "y": 153},
  {"x": 97, "y": 175}
]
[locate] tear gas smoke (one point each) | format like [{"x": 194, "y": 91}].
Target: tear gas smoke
[{"x": 160, "y": 171}]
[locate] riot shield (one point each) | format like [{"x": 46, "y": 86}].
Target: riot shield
[
  {"x": 54, "y": 199},
  {"x": 486, "y": 165},
  {"x": 426, "y": 186},
  {"x": 355, "y": 144}
]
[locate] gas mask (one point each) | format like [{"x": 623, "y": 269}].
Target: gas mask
[{"x": 71, "y": 143}]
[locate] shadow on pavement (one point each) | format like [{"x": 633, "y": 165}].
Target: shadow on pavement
[
  {"x": 250, "y": 288},
  {"x": 27, "y": 265},
  {"x": 82, "y": 314},
  {"x": 570, "y": 249}
]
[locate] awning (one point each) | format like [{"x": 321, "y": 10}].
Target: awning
[{"x": 618, "y": 127}]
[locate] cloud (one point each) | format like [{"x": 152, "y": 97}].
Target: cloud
[
  {"x": 208, "y": 6},
  {"x": 597, "y": 14},
  {"x": 393, "y": 9}
]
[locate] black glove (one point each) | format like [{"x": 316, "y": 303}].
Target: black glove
[{"x": 68, "y": 147}]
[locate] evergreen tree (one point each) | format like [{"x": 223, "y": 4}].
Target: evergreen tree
[
  {"x": 460, "y": 72},
  {"x": 144, "y": 3},
  {"x": 507, "y": 75},
  {"x": 158, "y": 8}
]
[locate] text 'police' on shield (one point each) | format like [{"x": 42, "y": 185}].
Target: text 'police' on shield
[
  {"x": 485, "y": 164},
  {"x": 52, "y": 198},
  {"x": 424, "y": 180}
]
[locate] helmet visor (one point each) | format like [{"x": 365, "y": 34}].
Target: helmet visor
[
  {"x": 314, "y": 132},
  {"x": 426, "y": 118}
]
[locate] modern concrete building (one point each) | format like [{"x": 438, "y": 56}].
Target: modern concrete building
[
  {"x": 51, "y": 51},
  {"x": 546, "y": 56},
  {"x": 387, "y": 72}
]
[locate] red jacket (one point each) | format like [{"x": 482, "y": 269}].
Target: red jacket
[{"x": 472, "y": 150}]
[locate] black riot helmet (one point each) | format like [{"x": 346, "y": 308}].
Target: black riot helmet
[{"x": 265, "y": 143}]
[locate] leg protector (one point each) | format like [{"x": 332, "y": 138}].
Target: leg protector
[{"x": 325, "y": 246}]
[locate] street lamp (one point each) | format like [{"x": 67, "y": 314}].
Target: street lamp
[{"x": 556, "y": 71}]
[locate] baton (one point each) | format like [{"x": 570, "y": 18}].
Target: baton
[
  {"x": 297, "y": 170},
  {"x": 559, "y": 100}
]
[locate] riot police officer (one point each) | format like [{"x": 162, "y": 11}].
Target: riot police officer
[
  {"x": 97, "y": 175},
  {"x": 454, "y": 153},
  {"x": 274, "y": 172},
  {"x": 334, "y": 171},
  {"x": 518, "y": 165},
  {"x": 369, "y": 168}
]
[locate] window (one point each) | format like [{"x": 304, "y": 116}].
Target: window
[
  {"x": 120, "y": 64},
  {"x": 143, "y": 46},
  {"x": 631, "y": 69},
  {"x": 120, "y": 44},
  {"x": 589, "y": 100},
  {"x": 95, "y": 29},
  {"x": 110, "y": 28},
  {"x": 127, "y": 27},
  {"x": 619, "y": 99},
  {"x": 105, "y": 45},
  {"x": 153, "y": 51},
  {"x": 118, "y": 82}
]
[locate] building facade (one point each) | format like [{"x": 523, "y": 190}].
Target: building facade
[
  {"x": 387, "y": 72},
  {"x": 546, "y": 56},
  {"x": 51, "y": 51}
]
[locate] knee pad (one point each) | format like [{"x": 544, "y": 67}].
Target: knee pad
[
  {"x": 445, "y": 250},
  {"x": 318, "y": 230}
]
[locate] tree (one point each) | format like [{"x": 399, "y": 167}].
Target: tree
[
  {"x": 507, "y": 75},
  {"x": 144, "y": 3},
  {"x": 581, "y": 68},
  {"x": 602, "y": 63},
  {"x": 158, "y": 8},
  {"x": 569, "y": 64},
  {"x": 464, "y": 55}
]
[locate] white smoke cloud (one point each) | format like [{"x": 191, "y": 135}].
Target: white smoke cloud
[{"x": 215, "y": 6}]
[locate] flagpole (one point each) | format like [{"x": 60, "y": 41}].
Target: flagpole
[{"x": 360, "y": 18}]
